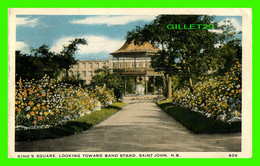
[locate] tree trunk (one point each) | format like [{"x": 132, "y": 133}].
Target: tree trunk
[
  {"x": 66, "y": 74},
  {"x": 164, "y": 82},
  {"x": 190, "y": 81},
  {"x": 191, "y": 85},
  {"x": 169, "y": 86}
]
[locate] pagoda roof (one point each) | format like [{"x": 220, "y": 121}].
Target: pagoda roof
[{"x": 133, "y": 48}]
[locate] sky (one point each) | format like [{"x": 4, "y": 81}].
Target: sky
[{"x": 104, "y": 33}]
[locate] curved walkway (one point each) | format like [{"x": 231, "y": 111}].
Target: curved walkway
[{"x": 138, "y": 127}]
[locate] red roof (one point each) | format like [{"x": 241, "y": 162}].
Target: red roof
[{"x": 131, "y": 47}]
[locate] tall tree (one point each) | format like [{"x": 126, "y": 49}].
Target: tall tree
[
  {"x": 229, "y": 46},
  {"x": 231, "y": 52},
  {"x": 49, "y": 60},
  {"x": 28, "y": 66},
  {"x": 68, "y": 52},
  {"x": 42, "y": 61},
  {"x": 186, "y": 52}
]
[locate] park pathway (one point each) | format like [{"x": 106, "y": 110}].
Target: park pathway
[{"x": 138, "y": 127}]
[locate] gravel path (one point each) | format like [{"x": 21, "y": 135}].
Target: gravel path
[{"x": 138, "y": 127}]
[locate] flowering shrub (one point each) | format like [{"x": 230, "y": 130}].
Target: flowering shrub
[
  {"x": 46, "y": 102},
  {"x": 103, "y": 95},
  {"x": 218, "y": 97}
]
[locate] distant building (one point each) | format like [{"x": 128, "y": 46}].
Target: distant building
[
  {"x": 129, "y": 61},
  {"x": 135, "y": 61},
  {"x": 85, "y": 69}
]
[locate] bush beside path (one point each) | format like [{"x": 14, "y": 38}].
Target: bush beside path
[
  {"x": 138, "y": 127},
  {"x": 70, "y": 128},
  {"x": 197, "y": 122}
]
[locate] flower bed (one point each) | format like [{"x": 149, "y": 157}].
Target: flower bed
[
  {"x": 69, "y": 128},
  {"x": 218, "y": 97},
  {"x": 46, "y": 103}
]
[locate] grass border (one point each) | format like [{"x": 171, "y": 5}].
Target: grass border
[
  {"x": 72, "y": 127},
  {"x": 196, "y": 122}
]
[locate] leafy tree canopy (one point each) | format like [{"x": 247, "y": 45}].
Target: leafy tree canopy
[
  {"x": 42, "y": 61},
  {"x": 185, "y": 52}
]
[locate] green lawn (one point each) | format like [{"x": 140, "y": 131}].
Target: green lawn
[
  {"x": 73, "y": 127},
  {"x": 197, "y": 123}
]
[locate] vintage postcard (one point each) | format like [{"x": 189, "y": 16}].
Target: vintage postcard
[{"x": 130, "y": 83}]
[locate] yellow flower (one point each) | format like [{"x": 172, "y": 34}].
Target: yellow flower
[
  {"x": 28, "y": 116},
  {"x": 18, "y": 110},
  {"x": 46, "y": 113},
  {"x": 40, "y": 117},
  {"x": 30, "y": 103}
]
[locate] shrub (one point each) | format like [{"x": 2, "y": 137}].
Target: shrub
[
  {"x": 45, "y": 103},
  {"x": 218, "y": 97}
]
